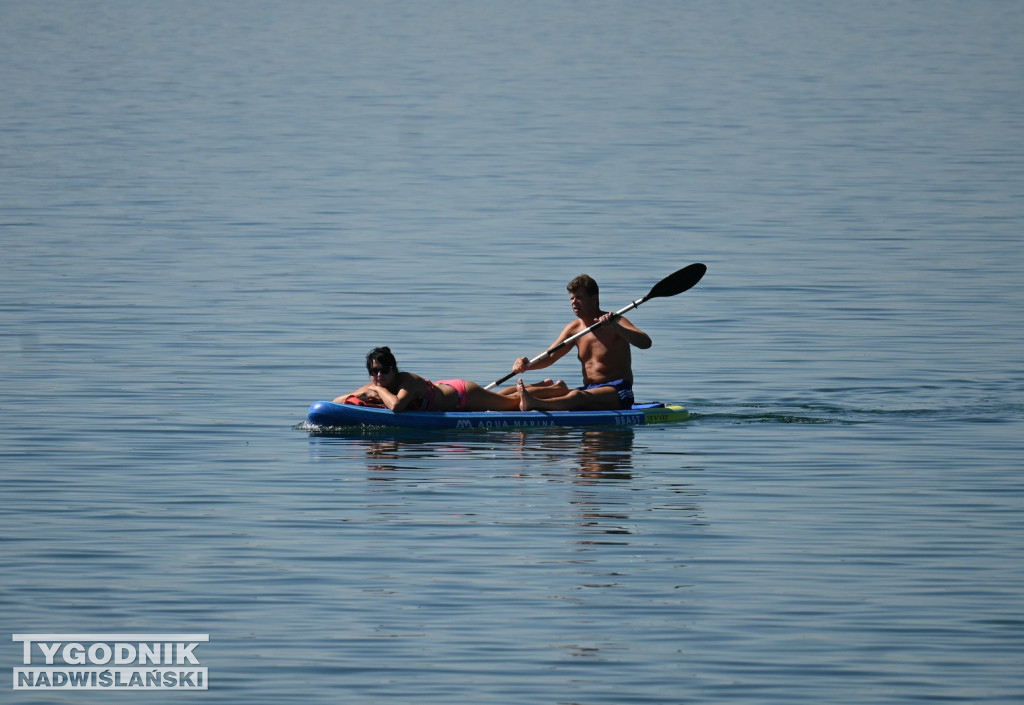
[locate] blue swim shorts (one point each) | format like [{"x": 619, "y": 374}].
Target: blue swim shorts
[{"x": 624, "y": 389}]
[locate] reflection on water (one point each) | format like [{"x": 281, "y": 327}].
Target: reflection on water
[
  {"x": 606, "y": 455},
  {"x": 580, "y": 455},
  {"x": 561, "y": 549},
  {"x": 603, "y": 456},
  {"x": 598, "y": 465}
]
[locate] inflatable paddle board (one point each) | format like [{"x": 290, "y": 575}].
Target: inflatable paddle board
[{"x": 329, "y": 414}]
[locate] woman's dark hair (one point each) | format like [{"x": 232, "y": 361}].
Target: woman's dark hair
[{"x": 383, "y": 357}]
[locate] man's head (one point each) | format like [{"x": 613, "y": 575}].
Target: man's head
[
  {"x": 583, "y": 295},
  {"x": 584, "y": 282}
]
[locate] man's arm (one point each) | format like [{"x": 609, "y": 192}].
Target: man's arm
[
  {"x": 523, "y": 364},
  {"x": 625, "y": 328}
]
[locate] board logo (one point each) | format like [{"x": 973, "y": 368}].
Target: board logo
[{"x": 110, "y": 662}]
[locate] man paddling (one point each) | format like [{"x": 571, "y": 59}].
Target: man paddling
[{"x": 604, "y": 354}]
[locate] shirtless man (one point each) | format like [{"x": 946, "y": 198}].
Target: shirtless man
[{"x": 604, "y": 354}]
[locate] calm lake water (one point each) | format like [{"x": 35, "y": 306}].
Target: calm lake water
[{"x": 209, "y": 212}]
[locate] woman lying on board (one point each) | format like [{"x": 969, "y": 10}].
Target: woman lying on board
[{"x": 405, "y": 391}]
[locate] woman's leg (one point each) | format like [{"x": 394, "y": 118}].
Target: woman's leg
[{"x": 480, "y": 399}]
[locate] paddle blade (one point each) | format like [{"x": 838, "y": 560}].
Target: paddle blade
[{"x": 678, "y": 282}]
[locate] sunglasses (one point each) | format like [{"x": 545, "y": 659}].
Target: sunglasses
[{"x": 382, "y": 370}]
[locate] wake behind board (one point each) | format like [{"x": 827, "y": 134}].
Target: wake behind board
[{"x": 330, "y": 414}]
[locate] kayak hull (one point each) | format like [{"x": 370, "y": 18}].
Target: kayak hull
[{"x": 329, "y": 414}]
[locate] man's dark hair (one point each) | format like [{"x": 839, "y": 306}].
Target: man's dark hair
[{"x": 585, "y": 282}]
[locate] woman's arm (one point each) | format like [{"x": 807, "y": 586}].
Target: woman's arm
[
  {"x": 407, "y": 393},
  {"x": 363, "y": 392}
]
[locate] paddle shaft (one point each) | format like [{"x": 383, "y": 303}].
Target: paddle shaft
[{"x": 568, "y": 341}]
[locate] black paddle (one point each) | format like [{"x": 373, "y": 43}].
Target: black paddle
[{"x": 673, "y": 284}]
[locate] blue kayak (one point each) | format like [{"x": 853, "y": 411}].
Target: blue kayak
[{"x": 329, "y": 414}]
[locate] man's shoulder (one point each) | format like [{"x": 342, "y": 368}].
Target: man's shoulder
[{"x": 574, "y": 327}]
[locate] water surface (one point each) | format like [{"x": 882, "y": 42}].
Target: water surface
[{"x": 210, "y": 212}]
